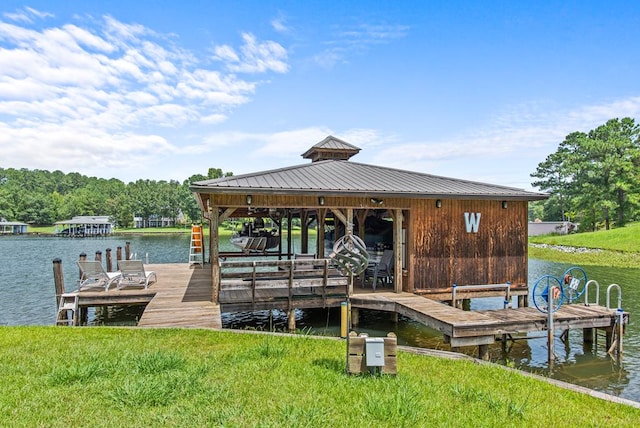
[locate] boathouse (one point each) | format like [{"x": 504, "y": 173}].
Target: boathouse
[
  {"x": 442, "y": 231},
  {"x": 12, "y": 227},
  {"x": 84, "y": 226}
]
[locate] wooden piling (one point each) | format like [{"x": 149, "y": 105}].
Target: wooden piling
[
  {"x": 109, "y": 262},
  {"x": 483, "y": 352},
  {"x": 292, "y": 320},
  {"x": 98, "y": 256},
  {"x": 127, "y": 251},
  {"x": 58, "y": 281},
  {"x": 119, "y": 253},
  {"x": 82, "y": 257},
  {"x": 355, "y": 317}
]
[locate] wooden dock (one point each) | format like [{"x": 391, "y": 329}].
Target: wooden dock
[
  {"x": 187, "y": 305},
  {"x": 471, "y": 328},
  {"x": 182, "y": 297}
]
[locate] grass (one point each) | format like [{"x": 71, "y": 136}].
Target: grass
[
  {"x": 615, "y": 247},
  {"x": 624, "y": 239},
  {"x": 54, "y": 376}
]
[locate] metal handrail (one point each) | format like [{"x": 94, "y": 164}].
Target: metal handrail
[
  {"x": 619, "y": 295},
  {"x": 586, "y": 292}
]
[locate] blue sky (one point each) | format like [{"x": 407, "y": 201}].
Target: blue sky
[{"x": 479, "y": 90}]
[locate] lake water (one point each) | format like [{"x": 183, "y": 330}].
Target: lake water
[{"x": 27, "y": 297}]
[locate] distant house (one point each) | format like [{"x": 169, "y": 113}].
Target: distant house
[
  {"x": 157, "y": 221},
  {"x": 12, "y": 227},
  {"x": 81, "y": 226},
  {"x": 548, "y": 227}
]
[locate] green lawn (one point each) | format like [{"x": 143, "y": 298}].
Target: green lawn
[
  {"x": 625, "y": 239},
  {"x": 615, "y": 247},
  {"x": 100, "y": 376}
]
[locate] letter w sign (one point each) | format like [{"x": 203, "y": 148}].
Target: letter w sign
[{"x": 472, "y": 222}]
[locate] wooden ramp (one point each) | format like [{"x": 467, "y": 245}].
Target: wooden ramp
[
  {"x": 470, "y": 328},
  {"x": 182, "y": 298}
]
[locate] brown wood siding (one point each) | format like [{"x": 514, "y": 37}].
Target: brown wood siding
[
  {"x": 300, "y": 201},
  {"x": 444, "y": 253}
]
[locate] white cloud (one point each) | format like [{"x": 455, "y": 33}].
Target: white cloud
[
  {"x": 110, "y": 93},
  {"x": 360, "y": 38},
  {"x": 254, "y": 56},
  {"x": 26, "y": 16},
  {"x": 279, "y": 24}
]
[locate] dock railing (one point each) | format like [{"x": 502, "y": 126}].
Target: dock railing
[
  {"x": 457, "y": 288},
  {"x": 312, "y": 277}
]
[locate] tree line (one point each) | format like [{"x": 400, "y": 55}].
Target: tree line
[
  {"x": 593, "y": 178},
  {"x": 41, "y": 197}
]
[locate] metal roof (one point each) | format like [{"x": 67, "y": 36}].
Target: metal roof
[
  {"x": 345, "y": 178},
  {"x": 86, "y": 220},
  {"x": 331, "y": 145}
]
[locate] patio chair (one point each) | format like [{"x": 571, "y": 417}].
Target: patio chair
[
  {"x": 133, "y": 274},
  {"x": 92, "y": 275},
  {"x": 382, "y": 270}
]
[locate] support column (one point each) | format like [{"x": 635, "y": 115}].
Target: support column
[
  {"x": 289, "y": 217},
  {"x": 355, "y": 317},
  {"x": 322, "y": 213},
  {"x": 522, "y": 301},
  {"x": 304, "y": 232},
  {"x": 397, "y": 250},
  {"x": 292, "y": 320},
  {"x": 483, "y": 352},
  {"x": 215, "y": 255},
  {"x": 587, "y": 340}
]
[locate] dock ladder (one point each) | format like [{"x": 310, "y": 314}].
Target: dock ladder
[
  {"x": 195, "y": 251},
  {"x": 68, "y": 309}
]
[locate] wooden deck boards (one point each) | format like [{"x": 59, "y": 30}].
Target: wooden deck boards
[
  {"x": 183, "y": 298},
  {"x": 480, "y": 327}
]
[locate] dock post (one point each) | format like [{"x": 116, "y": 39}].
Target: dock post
[
  {"x": 344, "y": 319},
  {"x": 82, "y": 257},
  {"x": 483, "y": 352},
  {"x": 98, "y": 256},
  {"x": 127, "y": 250},
  {"x": 587, "y": 339},
  {"x": 109, "y": 262},
  {"x": 620, "y": 313},
  {"x": 292, "y": 320},
  {"x": 58, "y": 280},
  {"x": 355, "y": 317},
  {"x": 550, "y": 336},
  {"x": 119, "y": 253},
  {"x": 522, "y": 301}
]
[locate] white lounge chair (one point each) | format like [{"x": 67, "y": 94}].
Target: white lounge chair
[
  {"x": 133, "y": 274},
  {"x": 93, "y": 275}
]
